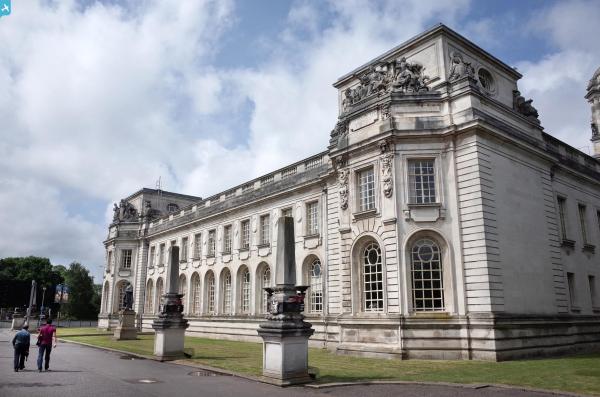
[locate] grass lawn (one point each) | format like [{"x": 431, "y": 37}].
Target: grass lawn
[
  {"x": 580, "y": 374},
  {"x": 80, "y": 331}
]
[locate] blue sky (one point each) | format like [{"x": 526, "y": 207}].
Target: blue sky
[{"x": 98, "y": 99}]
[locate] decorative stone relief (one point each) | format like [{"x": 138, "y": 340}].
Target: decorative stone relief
[
  {"x": 595, "y": 132},
  {"x": 386, "y": 174},
  {"x": 460, "y": 68},
  {"x": 397, "y": 76},
  {"x": 386, "y": 111},
  {"x": 254, "y": 223},
  {"x": 343, "y": 188},
  {"x": 299, "y": 212},
  {"x": 525, "y": 107}
]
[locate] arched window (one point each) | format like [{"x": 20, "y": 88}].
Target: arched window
[
  {"x": 121, "y": 294},
  {"x": 266, "y": 282},
  {"x": 427, "y": 280},
  {"x": 226, "y": 288},
  {"x": 195, "y": 294},
  {"x": 182, "y": 289},
  {"x": 105, "y": 297},
  {"x": 316, "y": 287},
  {"x": 372, "y": 278},
  {"x": 245, "y": 290},
  {"x": 149, "y": 297},
  {"x": 210, "y": 293},
  {"x": 160, "y": 290}
]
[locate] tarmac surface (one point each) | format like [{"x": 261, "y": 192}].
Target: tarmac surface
[{"x": 81, "y": 371}]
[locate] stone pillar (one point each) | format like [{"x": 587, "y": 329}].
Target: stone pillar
[
  {"x": 170, "y": 325},
  {"x": 285, "y": 334}
]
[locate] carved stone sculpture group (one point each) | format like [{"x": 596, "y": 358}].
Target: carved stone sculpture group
[
  {"x": 398, "y": 76},
  {"x": 524, "y": 106}
]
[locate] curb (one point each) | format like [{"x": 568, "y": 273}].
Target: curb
[
  {"x": 448, "y": 384},
  {"x": 191, "y": 364}
]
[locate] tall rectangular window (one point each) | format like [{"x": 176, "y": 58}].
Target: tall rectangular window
[
  {"x": 421, "y": 181},
  {"x": 109, "y": 261},
  {"x": 245, "y": 243},
  {"x": 227, "y": 239},
  {"x": 582, "y": 215},
  {"x": 161, "y": 255},
  {"x": 287, "y": 212},
  {"x": 593, "y": 295},
  {"x": 151, "y": 259},
  {"x": 126, "y": 259},
  {"x": 264, "y": 229},
  {"x": 312, "y": 218},
  {"x": 366, "y": 190},
  {"x": 184, "y": 249},
  {"x": 598, "y": 216},
  {"x": 211, "y": 243},
  {"x": 197, "y": 245},
  {"x": 572, "y": 292},
  {"x": 562, "y": 214}
]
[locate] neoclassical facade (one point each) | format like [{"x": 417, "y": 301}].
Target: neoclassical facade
[{"x": 442, "y": 221}]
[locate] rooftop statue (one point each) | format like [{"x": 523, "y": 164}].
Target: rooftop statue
[{"x": 525, "y": 107}]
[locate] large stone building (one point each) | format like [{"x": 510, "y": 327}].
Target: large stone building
[{"x": 442, "y": 221}]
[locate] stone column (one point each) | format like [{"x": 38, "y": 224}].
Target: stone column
[
  {"x": 285, "y": 334},
  {"x": 170, "y": 325}
]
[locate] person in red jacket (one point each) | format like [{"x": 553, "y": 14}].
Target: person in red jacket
[{"x": 46, "y": 341}]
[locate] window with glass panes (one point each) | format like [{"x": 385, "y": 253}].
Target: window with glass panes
[
  {"x": 109, "y": 260},
  {"x": 366, "y": 190},
  {"x": 562, "y": 215},
  {"x": 160, "y": 290},
  {"x": 183, "y": 287},
  {"x": 197, "y": 246},
  {"x": 421, "y": 181},
  {"x": 126, "y": 259},
  {"x": 592, "y": 285},
  {"x": 427, "y": 283},
  {"x": 266, "y": 282},
  {"x": 227, "y": 292},
  {"x": 316, "y": 287},
  {"x": 149, "y": 297},
  {"x": 227, "y": 239},
  {"x": 572, "y": 292},
  {"x": 195, "y": 294},
  {"x": 264, "y": 229},
  {"x": 211, "y": 243},
  {"x": 372, "y": 278},
  {"x": 287, "y": 212},
  {"x": 312, "y": 218},
  {"x": 245, "y": 243},
  {"x": 582, "y": 223},
  {"x": 210, "y": 293},
  {"x": 245, "y": 290},
  {"x": 161, "y": 255},
  {"x": 152, "y": 257},
  {"x": 184, "y": 249}
]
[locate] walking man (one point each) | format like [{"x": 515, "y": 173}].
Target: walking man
[
  {"x": 21, "y": 345},
  {"x": 46, "y": 337}
]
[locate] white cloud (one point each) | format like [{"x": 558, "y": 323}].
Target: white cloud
[{"x": 557, "y": 82}]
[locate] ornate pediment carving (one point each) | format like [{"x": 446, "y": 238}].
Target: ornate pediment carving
[{"x": 124, "y": 212}]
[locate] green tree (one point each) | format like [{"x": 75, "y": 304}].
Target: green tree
[
  {"x": 81, "y": 304},
  {"x": 16, "y": 275}
]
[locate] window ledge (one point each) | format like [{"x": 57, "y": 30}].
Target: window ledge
[
  {"x": 244, "y": 249},
  {"x": 431, "y": 314},
  {"x": 589, "y": 248},
  {"x": 182, "y": 260},
  {"x": 575, "y": 309},
  {"x": 264, "y": 245},
  {"x": 424, "y": 205},
  {"x": 226, "y": 252},
  {"x": 312, "y": 236},
  {"x": 365, "y": 214},
  {"x": 210, "y": 256},
  {"x": 567, "y": 243}
]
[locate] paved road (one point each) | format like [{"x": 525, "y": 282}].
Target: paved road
[{"x": 82, "y": 371}]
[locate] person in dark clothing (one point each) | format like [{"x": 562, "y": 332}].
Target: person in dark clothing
[
  {"x": 46, "y": 336},
  {"x": 21, "y": 345}
]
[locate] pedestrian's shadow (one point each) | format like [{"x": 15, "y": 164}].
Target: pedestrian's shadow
[{"x": 54, "y": 370}]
